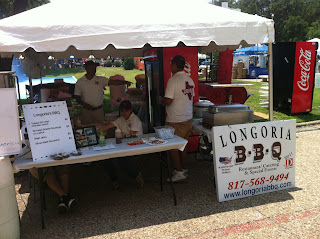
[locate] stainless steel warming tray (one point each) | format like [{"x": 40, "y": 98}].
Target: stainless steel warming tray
[{"x": 227, "y": 115}]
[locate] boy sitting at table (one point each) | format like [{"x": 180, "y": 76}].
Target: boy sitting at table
[
  {"x": 57, "y": 178},
  {"x": 130, "y": 126},
  {"x": 128, "y": 122}
]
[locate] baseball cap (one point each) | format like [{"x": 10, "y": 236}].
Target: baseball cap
[{"x": 91, "y": 63}]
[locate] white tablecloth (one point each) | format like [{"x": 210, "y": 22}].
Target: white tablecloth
[{"x": 89, "y": 155}]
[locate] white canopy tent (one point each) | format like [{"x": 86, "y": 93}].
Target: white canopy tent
[{"x": 125, "y": 27}]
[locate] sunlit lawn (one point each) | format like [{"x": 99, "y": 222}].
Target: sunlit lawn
[{"x": 253, "y": 101}]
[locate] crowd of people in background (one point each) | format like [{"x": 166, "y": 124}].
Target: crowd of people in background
[{"x": 73, "y": 62}]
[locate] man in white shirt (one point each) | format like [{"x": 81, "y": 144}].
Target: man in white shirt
[
  {"x": 179, "y": 102},
  {"x": 89, "y": 92}
]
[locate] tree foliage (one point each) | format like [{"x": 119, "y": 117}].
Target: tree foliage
[
  {"x": 295, "y": 20},
  {"x": 11, "y": 7},
  {"x": 128, "y": 63}
]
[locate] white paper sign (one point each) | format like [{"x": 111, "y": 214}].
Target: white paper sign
[
  {"x": 49, "y": 129},
  {"x": 252, "y": 159},
  {"x": 10, "y": 142}
]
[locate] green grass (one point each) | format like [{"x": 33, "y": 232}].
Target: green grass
[
  {"x": 253, "y": 101},
  {"x": 101, "y": 71}
]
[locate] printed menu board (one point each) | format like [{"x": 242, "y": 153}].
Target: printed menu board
[{"x": 49, "y": 129}]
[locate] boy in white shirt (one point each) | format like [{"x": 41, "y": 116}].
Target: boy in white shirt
[
  {"x": 128, "y": 122},
  {"x": 130, "y": 125}
]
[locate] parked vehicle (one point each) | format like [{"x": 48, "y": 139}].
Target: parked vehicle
[{"x": 204, "y": 65}]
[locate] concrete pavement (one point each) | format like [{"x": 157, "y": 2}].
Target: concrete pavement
[{"x": 150, "y": 213}]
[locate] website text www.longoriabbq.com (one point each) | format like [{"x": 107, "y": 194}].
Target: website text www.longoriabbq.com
[{"x": 254, "y": 191}]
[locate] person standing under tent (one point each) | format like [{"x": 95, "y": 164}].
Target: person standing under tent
[
  {"x": 178, "y": 100},
  {"x": 89, "y": 93}
]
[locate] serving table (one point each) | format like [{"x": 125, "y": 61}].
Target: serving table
[{"x": 24, "y": 162}]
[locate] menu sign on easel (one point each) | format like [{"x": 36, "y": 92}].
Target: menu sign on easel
[
  {"x": 49, "y": 129},
  {"x": 10, "y": 142}
]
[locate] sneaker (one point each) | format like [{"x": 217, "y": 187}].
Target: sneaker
[
  {"x": 186, "y": 172},
  {"x": 71, "y": 202},
  {"x": 62, "y": 207},
  {"x": 139, "y": 180},
  {"x": 177, "y": 176}
]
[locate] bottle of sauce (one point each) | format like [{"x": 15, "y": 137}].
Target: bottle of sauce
[
  {"x": 102, "y": 140},
  {"x": 118, "y": 136}
]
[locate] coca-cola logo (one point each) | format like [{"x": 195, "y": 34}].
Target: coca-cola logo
[
  {"x": 187, "y": 69},
  {"x": 304, "y": 62}
]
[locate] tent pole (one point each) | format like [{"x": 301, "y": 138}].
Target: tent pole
[
  {"x": 19, "y": 95},
  {"x": 270, "y": 81},
  {"x": 31, "y": 90}
]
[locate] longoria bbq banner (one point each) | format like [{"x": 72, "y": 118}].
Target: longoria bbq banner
[{"x": 252, "y": 159}]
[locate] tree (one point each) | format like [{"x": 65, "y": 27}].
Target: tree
[
  {"x": 11, "y": 7},
  {"x": 314, "y": 30},
  {"x": 295, "y": 29},
  {"x": 259, "y": 7},
  {"x": 20, "y": 6},
  {"x": 295, "y": 20},
  {"x": 128, "y": 63},
  {"x": 282, "y": 10}
]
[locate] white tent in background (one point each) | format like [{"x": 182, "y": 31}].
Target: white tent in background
[
  {"x": 202, "y": 56},
  {"x": 127, "y": 28},
  {"x": 316, "y": 40}
]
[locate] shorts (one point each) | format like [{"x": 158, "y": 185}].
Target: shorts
[
  {"x": 181, "y": 129},
  {"x": 92, "y": 116},
  {"x": 57, "y": 170}
]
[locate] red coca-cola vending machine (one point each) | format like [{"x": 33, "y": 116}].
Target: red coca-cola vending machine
[
  {"x": 293, "y": 76},
  {"x": 158, "y": 71}
]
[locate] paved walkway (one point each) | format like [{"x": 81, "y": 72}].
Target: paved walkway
[{"x": 149, "y": 213}]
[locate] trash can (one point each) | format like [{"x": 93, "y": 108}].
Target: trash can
[{"x": 9, "y": 216}]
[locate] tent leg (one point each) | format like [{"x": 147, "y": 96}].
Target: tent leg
[
  {"x": 31, "y": 90},
  {"x": 270, "y": 81}
]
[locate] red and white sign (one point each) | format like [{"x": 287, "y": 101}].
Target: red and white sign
[
  {"x": 303, "y": 77},
  {"x": 252, "y": 159}
]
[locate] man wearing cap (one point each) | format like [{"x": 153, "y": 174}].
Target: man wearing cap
[
  {"x": 178, "y": 100},
  {"x": 89, "y": 92}
]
